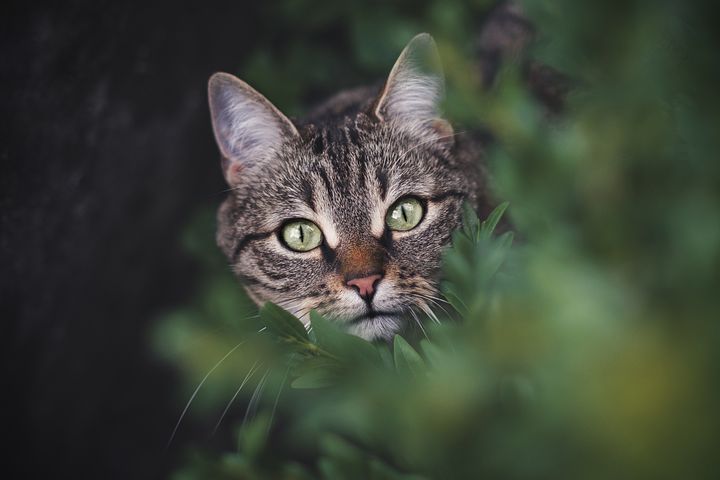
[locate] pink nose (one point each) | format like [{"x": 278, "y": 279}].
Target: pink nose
[{"x": 365, "y": 286}]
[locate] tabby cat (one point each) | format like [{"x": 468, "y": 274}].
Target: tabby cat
[{"x": 348, "y": 210}]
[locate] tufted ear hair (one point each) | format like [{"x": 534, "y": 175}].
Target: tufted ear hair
[
  {"x": 248, "y": 128},
  {"x": 414, "y": 89}
]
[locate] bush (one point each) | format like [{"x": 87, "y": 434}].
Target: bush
[{"x": 588, "y": 351}]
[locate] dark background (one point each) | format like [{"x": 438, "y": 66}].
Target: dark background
[{"x": 106, "y": 151}]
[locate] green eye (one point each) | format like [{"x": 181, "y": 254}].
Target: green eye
[
  {"x": 405, "y": 214},
  {"x": 301, "y": 235}
]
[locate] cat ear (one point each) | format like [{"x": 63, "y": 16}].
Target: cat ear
[
  {"x": 248, "y": 128},
  {"x": 413, "y": 91}
]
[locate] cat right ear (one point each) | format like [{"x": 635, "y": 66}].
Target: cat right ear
[
  {"x": 248, "y": 128},
  {"x": 412, "y": 93}
]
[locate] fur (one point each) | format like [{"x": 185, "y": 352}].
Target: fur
[{"x": 342, "y": 168}]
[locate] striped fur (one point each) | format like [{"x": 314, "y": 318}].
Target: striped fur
[{"x": 342, "y": 170}]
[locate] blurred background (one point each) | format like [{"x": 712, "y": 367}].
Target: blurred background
[{"x": 115, "y": 302}]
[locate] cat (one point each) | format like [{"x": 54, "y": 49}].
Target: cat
[{"x": 348, "y": 210}]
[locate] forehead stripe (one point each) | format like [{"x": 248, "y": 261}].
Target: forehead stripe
[
  {"x": 383, "y": 182},
  {"x": 308, "y": 195},
  {"x": 323, "y": 175}
]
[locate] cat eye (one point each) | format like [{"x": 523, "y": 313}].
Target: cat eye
[
  {"x": 405, "y": 214},
  {"x": 301, "y": 235}
]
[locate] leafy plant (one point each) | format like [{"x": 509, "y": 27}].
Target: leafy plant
[
  {"x": 587, "y": 350},
  {"x": 327, "y": 359}
]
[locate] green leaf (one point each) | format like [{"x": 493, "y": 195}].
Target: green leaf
[
  {"x": 453, "y": 297},
  {"x": 295, "y": 471},
  {"x": 386, "y": 356},
  {"x": 505, "y": 240},
  {"x": 407, "y": 360},
  {"x": 456, "y": 265},
  {"x": 496, "y": 256},
  {"x": 470, "y": 220},
  {"x": 283, "y": 324},
  {"x": 432, "y": 353},
  {"x": 316, "y": 372},
  {"x": 329, "y": 469},
  {"x": 253, "y": 436},
  {"x": 320, "y": 378},
  {"x": 343, "y": 459},
  {"x": 343, "y": 346},
  {"x": 488, "y": 225},
  {"x": 379, "y": 470}
]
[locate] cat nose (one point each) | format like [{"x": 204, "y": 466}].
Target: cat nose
[{"x": 365, "y": 286}]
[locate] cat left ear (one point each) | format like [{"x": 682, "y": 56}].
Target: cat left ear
[
  {"x": 248, "y": 128},
  {"x": 413, "y": 91}
]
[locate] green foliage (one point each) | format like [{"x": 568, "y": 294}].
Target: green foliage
[
  {"x": 283, "y": 325},
  {"x": 471, "y": 265},
  {"x": 590, "y": 349},
  {"x": 407, "y": 361}
]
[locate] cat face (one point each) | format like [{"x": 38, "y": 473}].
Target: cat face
[{"x": 348, "y": 217}]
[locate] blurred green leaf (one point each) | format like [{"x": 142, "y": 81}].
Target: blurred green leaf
[
  {"x": 253, "y": 436},
  {"x": 471, "y": 221},
  {"x": 320, "y": 378},
  {"x": 432, "y": 352},
  {"x": 283, "y": 324},
  {"x": 587, "y": 350},
  {"x": 487, "y": 227},
  {"x": 343, "y": 346},
  {"x": 407, "y": 360}
]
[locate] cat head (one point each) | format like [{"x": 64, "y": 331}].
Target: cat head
[{"x": 347, "y": 216}]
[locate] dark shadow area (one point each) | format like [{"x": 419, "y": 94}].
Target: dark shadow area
[{"x": 106, "y": 151}]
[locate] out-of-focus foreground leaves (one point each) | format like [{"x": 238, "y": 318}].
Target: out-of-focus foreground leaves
[{"x": 589, "y": 350}]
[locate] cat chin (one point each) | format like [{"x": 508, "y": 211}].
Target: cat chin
[{"x": 382, "y": 327}]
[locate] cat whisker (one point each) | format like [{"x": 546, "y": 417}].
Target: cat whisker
[
  {"x": 277, "y": 397},
  {"x": 447, "y": 314},
  {"x": 255, "y": 398},
  {"x": 434, "y": 302},
  {"x": 427, "y": 295},
  {"x": 197, "y": 389},
  {"x": 290, "y": 300},
  {"x": 428, "y": 311},
  {"x": 294, "y": 306},
  {"x": 303, "y": 315},
  {"x": 250, "y": 373},
  {"x": 419, "y": 323}
]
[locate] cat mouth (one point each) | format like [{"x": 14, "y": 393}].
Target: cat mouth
[
  {"x": 376, "y": 325},
  {"x": 374, "y": 314}
]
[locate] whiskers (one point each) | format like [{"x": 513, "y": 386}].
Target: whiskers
[
  {"x": 197, "y": 389},
  {"x": 277, "y": 397},
  {"x": 418, "y": 322},
  {"x": 202, "y": 382},
  {"x": 426, "y": 302},
  {"x": 250, "y": 373},
  {"x": 299, "y": 306},
  {"x": 255, "y": 398},
  {"x": 422, "y": 302}
]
